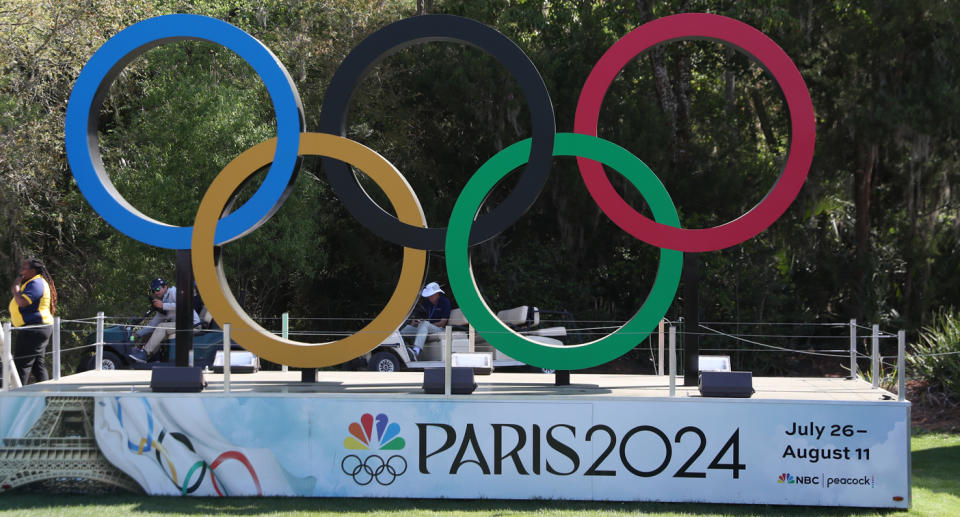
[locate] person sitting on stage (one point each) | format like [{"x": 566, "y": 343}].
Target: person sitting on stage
[
  {"x": 164, "y": 321},
  {"x": 436, "y": 312}
]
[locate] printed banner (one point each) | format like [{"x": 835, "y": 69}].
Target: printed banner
[{"x": 697, "y": 450}]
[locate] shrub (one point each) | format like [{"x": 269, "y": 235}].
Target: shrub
[{"x": 936, "y": 358}]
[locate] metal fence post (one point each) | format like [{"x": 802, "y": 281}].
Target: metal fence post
[
  {"x": 673, "y": 361},
  {"x": 875, "y": 358},
  {"x": 853, "y": 350},
  {"x": 448, "y": 361},
  {"x": 660, "y": 346},
  {"x": 226, "y": 358},
  {"x": 56, "y": 348},
  {"x": 12, "y": 377},
  {"x": 4, "y": 353},
  {"x": 98, "y": 358},
  {"x": 285, "y": 333},
  {"x": 901, "y": 365}
]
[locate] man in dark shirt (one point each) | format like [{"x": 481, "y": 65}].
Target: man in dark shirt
[{"x": 436, "y": 312}]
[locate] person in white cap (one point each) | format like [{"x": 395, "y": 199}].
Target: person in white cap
[{"x": 436, "y": 309}]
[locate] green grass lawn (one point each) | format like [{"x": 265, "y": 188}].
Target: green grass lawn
[{"x": 936, "y": 492}]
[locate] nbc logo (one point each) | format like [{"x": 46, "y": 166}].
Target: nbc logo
[
  {"x": 361, "y": 432},
  {"x": 379, "y": 434},
  {"x": 790, "y": 479}
]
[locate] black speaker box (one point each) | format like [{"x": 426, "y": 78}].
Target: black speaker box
[
  {"x": 726, "y": 384},
  {"x": 461, "y": 380},
  {"x": 177, "y": 379}
]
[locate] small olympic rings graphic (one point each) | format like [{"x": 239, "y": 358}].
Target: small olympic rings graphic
[
  {"x": 409, "y": 227},
  {"x": 185, "y": 440},
  {"x": 242, "y": 458},
  {"x": 148, "y": 443},
  {"x": 374, "y": 467}
]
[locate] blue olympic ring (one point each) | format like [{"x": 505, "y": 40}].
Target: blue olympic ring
[
  {"x": 82, "y": 119},
  {"x": 147, "y": 440}
]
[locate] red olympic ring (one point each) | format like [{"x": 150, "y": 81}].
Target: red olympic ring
[
  {"x": 234, "y": 455},
  {"x": 769, "y": 55}
]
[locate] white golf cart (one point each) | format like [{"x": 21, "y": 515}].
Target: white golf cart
[{"x": 467, "y": 348}]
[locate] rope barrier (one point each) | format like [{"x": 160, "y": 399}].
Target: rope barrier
[
  {"x": 882, "y": 334},
  {"x": 937, "y": 354},
  {"x": 834, "y": 353},
  {"x": 805, "y": 352},
  {"x": 584, "y": 331},
  {"x": 769, "y": 323}
]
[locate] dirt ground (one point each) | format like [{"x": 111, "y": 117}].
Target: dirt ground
[{"x": 932, "y": 409}]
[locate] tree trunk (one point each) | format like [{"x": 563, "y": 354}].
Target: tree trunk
[
  {"x": 658, "y": 62},
  {"x": 765, "y": 127},
  {"x": 729, "y": 83},
  {"x": 683, "y": 79},
  {"x": 863, "y": 184}
]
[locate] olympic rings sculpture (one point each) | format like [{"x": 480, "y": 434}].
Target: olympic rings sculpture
[
  {"x": 363, "y": 472},
  {"x": 409, "y": 227}
]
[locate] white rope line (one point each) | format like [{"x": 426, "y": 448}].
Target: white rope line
[
  {"x": 806, "y": 352},
  {"x": 834, "y": 353},
  {"x": 768, "y": 323},
  {"x": 931, "y": 355},
  {"x": 588, "y": 331},
  {"x": 882, "y": 334}
]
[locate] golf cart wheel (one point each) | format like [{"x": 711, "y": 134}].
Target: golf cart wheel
[
  {"x": 111, "y": 361},
  {"x": 384, "y": 362}
]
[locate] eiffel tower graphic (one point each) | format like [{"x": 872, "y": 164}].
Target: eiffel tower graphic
[{"x": 60, "y": 453}]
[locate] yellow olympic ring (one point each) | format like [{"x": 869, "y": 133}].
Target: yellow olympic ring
[
  {"x": 166, "y": 456},
  {"x": 212, "y": 283}
]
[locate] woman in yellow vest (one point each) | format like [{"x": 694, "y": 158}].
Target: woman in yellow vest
[{"x": 31, "y": 311}]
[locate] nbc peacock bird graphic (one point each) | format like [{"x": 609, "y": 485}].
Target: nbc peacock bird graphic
[{"x": 362, "y": 438}]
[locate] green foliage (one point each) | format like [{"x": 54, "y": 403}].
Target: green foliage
[
  {"x": 886, "y": 376},
  {"x": 936, "y": 357},
  {"x": 872, "y": 235},
  {"x": 43, "y": 46}
]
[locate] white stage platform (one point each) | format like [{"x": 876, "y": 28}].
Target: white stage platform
[
  {"x": 797, "y": 441},
  {"x": 408, "y": 384}
]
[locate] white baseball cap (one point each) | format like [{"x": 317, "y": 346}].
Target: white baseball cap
[{"x": 431, "y": 289}]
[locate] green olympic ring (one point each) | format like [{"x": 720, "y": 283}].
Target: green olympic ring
[{"x": 464, "y": 285}]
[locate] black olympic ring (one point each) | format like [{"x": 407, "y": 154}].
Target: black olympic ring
[
  {"x": 364, "y": 471},
  {"x": 427, "y": 28},
  {"x": 182, "y": 438}
]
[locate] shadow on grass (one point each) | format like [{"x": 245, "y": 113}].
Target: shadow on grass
[
  {"x": 936, "y": 469},
  {"x": 270, "y": 505}
]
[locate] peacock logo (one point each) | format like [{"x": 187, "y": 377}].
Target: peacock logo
[
  {"x": 362, "y": 437},
  {"x": 374, "y": 466},
  {"x": 786, "y": 478}
]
